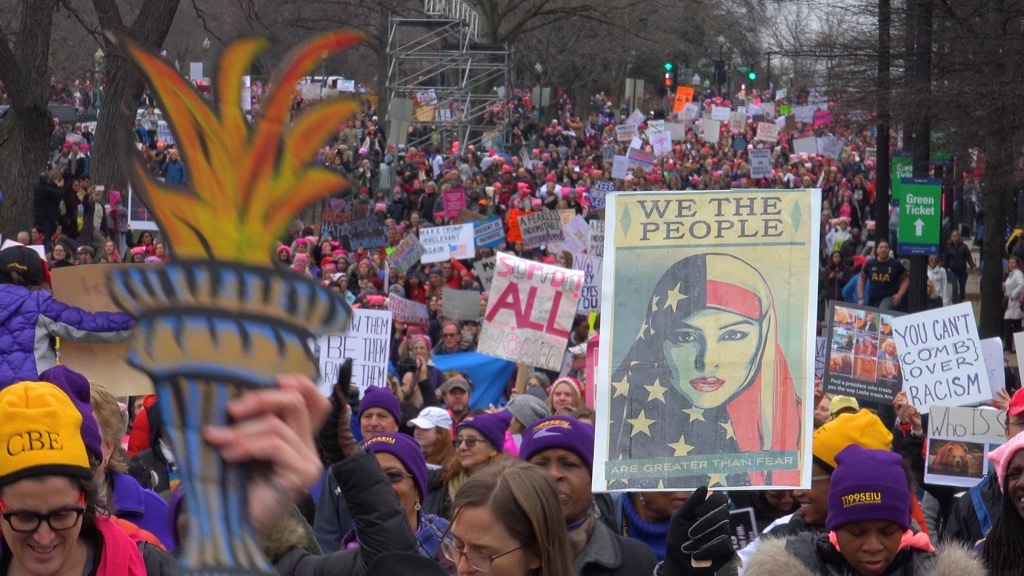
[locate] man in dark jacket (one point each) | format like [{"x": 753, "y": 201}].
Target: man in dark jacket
[
  {"x": 46, "y": 199},
  {"x": 956, "y": 260}
]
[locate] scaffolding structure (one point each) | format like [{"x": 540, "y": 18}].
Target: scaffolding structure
[{"x": 442, "y": 82}]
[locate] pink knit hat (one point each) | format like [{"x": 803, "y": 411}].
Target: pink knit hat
[{"x": 1001, "y": 456}]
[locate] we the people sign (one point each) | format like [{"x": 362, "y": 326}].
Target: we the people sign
[{"x": 530, "y": 311}]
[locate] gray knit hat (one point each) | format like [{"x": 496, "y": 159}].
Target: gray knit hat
[{"x": 527, "y": 409}]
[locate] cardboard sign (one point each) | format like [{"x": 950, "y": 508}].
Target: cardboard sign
[
  {"x": 760, "y": 163},
  {"x": 407, "y": 254},
  {"x": 598, "y": 193},
  {"x": 640, "y": 158},
  {"x": 620, "y": 167},
  {"x": 367, "y": 342},
  {"x": 86, "y": 288},
  {"x": 820, "y": 353},
  {"x": 830, "y": 147},
  {"x": 678, "y": 131},
  {"x": 862, "y": 358},
  {"x": 941, "y": 356},
  {"x": 541, "y": 228},
  {"x": 625, "y": 132},
  {"x": 767, "y": 132},
  {"x": 595, "y": 244},
  {"x": 590, "y": 295},
  {"x": 710, "y": 130},
  {"x": 661, "y": 143},
  {"x": 684, "y": 94},
  {"x": 808, "y": 146},
  {"x": 737, "y": 121},
  {"x": 454, "y": 200},
  {"x": 488, "y": 233},
  {"x": 781, "y": 94},
  {"x": 530, "y": 312},
  {"x": 636, "y": 118},
  {"x": 408, "y": 312},
  {"x": 959, "y": 440},
  {"x": 461, "y": 304},
  {"x": 655, "y": 127},
  {"x": 483, "y": 269},
  {"x": 804, "y": 114},
  {"x": 992, "y": 352},
  {"x": 442, "y": 243},
  {"x": 720, "y": 113},
  {"x": 577, "y": 234}
]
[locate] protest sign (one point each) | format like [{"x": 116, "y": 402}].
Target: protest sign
[
  {"x": 488, "y": 233},
  {"x": 514, "y": 233},
  {"x": 595, "y": 244},
  {"x": 620, "y": 167},
  {"x": 710, "y": 130},
  {"x": 483, "y": 269},
  {"x": 625, "y": 132},
  {"x": 767, "y": 132},
  {"x": 428, "y": 97},
  {"x": 830, "y": 147},
  {"x": 636, "y": 142},
  {"x": 466, "y": 215},
  {"x": 530, "y": 312},
  {"x": 742, "y": 527},
  {"x": 695, "y": 275},
  {"x": 461, "y": 304},
  {"x": 541, "y": 228},
  {"x": 336, "y": 212},
  {"x": 684, "y": 94},
  {"x": 992, "y": 352},
  {"x": 408, "y": 312},
  {"x": 739, "y": 143},
  {"x": 590, "y": 295},
  {"x": 720, "y": 113},
  {"x": 454, "y": 199},
  {"x": 678, "y": 131},
  {"x": 86, "y": 288},
  {"x": 959, "y": 440},
  {"x": 941, "y": 357},
  {"x": 690, "y": 112},
  {"x": 640, "y": 158},
  {"x": 367, "y": 342},
  {"x": 760, "y": 163},
  {"x": 661, "y": 143},
  {"x": 822, "y": 118},
  {"x": 407, "y": 254},
  {"x": 820, "y": 353},
  {"x": 655, "y": 127},
  {"x": 367, "y": 232},
  {"x": 781, "y": 122},
  {"x": 577, "y": 233},
  {"x": 598, "y": 192},
  {"x": 441, "y": 243},
  {"x": 737, "y": 121},
  {"x": 862, "y": 359},
  {"x": 636, "y": 118},
  {"x": 781, "y": 94},
  {"x": 803, "y": 114},
  {"x": 808, "y": 146}
]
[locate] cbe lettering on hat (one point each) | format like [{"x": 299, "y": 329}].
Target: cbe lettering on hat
[
  {"x": 862, "y": 498},
  {"x": 33, "y": 440}
]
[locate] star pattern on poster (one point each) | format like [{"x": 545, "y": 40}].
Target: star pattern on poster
[
  {"x": 681, "y": 448},
  {"x": 729, "y": 432},
  {"x": 656, "y": 391},
  {"x": 718, "y": 479},
  {"x": 640, "y": 424},
  {"x": 674, "y": 296},
  {"x": 695, "y": 414},
  {"x": 621, "y": 387}
]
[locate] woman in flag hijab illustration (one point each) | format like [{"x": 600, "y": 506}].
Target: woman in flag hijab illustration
[{"x": 706, "y": 376}]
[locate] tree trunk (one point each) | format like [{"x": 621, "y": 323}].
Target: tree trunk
[
  {"x": 124, "y": 87},
  {"x": 999, "y": 180},
  {"x": 24, "y": 142}
]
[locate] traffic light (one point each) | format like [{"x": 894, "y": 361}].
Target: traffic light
[
  {"x": 668, "y": 66},
  {"x": 752, "y": 75}
]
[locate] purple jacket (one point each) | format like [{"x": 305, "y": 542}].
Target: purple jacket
[
  {"x": 29, "y": 318},
  {"x": 144, "y": 508}
]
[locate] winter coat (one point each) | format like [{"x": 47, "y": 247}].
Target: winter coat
[
  {"x": 609, "y": 554},
  {"x": 144, "y": 508},
  {"x": 975, "y": 513},
  {"x": 379, "y": 519},
  {"x": 46, "y": 199},
  {"x": 1014, "y": 286},
  {"x": 805, "y": 555},
  {"x": 958, "y": 257},
  {"x": 29, "y": 318}
]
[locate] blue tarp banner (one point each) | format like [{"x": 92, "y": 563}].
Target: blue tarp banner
[{"x": 489, "y": 375}]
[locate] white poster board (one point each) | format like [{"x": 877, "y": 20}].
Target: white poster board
[{"x": 367, "y": 342}]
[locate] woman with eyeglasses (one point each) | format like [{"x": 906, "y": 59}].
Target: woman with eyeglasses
[
  {"x": 406, "y": 470},
  {"x": 507, "y": 522},
  {"x": 478, "y": 443},
  {"x": 52, "y": 523}
]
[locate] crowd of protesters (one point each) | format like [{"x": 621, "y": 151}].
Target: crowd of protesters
[{"x": 411, "y": 468}]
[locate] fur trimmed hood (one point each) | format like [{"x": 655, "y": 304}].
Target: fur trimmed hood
[{"x": 798, "y": 556}]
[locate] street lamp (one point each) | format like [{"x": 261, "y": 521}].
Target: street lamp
[
  {"x": 720, "y": 67},
  {"x": 206, "y": 49}
]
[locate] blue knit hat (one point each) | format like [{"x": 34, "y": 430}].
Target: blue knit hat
[
  {"x": 380, "y": 397},
  {"x": 563, "y": 432}
]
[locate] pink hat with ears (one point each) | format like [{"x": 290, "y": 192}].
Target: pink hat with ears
[
  {"x": 115, "y": 197},
  {"x": 1001, "y": 456}
]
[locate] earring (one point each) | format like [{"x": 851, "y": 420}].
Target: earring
[
  {"x": 643, "y": 501},
  {"x": 417, "y": 505}
]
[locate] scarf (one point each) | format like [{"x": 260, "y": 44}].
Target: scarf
[{"x": 579, "y": 533}]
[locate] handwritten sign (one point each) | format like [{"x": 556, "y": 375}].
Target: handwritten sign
[
  {"x": 808, "y": 146},
  {"x": 820, "y": 351},
  {"x": 461, "y": 304},
  {"x": 530, "y": 312},
  {"x": 454, "y": 199},
  {"x": 767, "y": 132},
  {"x": 541, "y": 228},
  {"x": 684, "y": 94},
  {"x": 484, "y": 271},
  {"x": 598, "y": 193},
  {"x": 760, "y": 163},
  {"x": 408, "y": 312},
  {"x": 590, "y": 295},
  {"x": 595, "y": 244},
  {"x": 636, "y": 118},
  {"x": 620, "y": 167},
  {"x": 86, "y": 288},
  {"x": 710, "y": 130},
  {"x": 941, "y": 357},
  {"x": 625, "y": 132},
  {"x": 577, "y": 232},
  {"x": 720, "y": 113},
  {"x": 640, "y": 158},
  {"x": 442, "y": 243},
  {"x": 661, "y": 142},
  {"x": 407, "y": 254},
  {"x": 822, "y": 118},
  {"x": 367, "y": 342},
  {"x": 803, "y": 114},
  {"x": 959, "y": 440},
  {"x": 488, "y": 233}
]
